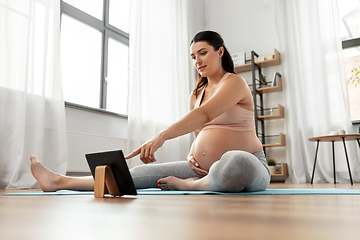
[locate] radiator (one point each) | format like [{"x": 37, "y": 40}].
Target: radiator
[{"x": 79, "y": 144}]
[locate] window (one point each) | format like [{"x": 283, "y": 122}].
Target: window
[
  {"x": 94, "y": 53},
  {"x": 350, "y": 36}
]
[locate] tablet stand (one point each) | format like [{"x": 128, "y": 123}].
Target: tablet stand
[{"x": 105, "y": 180}]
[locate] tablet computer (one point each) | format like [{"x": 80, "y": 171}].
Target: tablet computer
[{"x": 117, "y": 162}]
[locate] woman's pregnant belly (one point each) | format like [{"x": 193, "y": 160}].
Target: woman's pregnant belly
[{"x": 211, "y": 144}]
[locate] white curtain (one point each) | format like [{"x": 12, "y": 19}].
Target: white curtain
[
  {"x": 315, "y": 89},
  {"x": 32, "y": 114},
  {"x": 159, "y": 74}
]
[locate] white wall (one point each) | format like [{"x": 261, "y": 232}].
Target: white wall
[
  {"x": 196, "y": 17},
  {"x": 247, "y": 25},
  {"x": 93, "y": 123}
]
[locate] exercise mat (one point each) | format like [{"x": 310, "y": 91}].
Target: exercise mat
[{"x": 277, "y": 191}]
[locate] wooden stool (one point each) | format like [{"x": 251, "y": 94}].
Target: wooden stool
[
  {"x": 332, "y": 139},
  {"x": 105, "y": 182}
]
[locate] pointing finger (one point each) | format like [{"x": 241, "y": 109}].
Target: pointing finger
[{"x": 133, "y": 154}]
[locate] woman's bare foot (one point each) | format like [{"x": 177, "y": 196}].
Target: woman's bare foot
[
  {"x": 47, "y": 179},
  {"x": 190, "y": 184},
  {"x": 51, "y": 182}
]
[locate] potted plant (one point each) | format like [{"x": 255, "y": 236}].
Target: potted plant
[
  {"x": 263, "y": 79},
  {"x": 271, "y": 163},
  {"x": 263, "y": 83}
]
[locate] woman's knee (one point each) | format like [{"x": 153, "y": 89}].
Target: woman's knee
[
  {"x": 238, "y": 161},
  {"x": 233, "y": 172}
]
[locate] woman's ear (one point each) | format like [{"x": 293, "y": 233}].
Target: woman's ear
[{"x": 221, "y": 51}]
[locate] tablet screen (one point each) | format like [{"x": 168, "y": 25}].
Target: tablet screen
[{"x": 117, "y": 162}]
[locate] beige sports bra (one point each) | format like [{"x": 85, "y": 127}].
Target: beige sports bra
[{"x": 236, "y": 118}]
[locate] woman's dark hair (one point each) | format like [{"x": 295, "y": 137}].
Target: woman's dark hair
[{"x": 215, "y": 40}]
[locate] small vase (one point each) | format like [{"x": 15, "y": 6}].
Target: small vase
[{"x": 272, "y": 169}]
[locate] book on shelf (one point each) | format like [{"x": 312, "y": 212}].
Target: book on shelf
[
  {"x": 273, "y": 83},
  {"x": 238, "y": 58},
  {"x": 277, "y": 168}
]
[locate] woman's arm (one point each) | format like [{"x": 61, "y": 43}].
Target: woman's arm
[
  {"x": 192, "y": 106},
  {"x": 232, "y": 91}
]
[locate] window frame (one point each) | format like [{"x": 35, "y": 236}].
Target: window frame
[
  {"x": 107, "y": 31},
  {"x": 351, "y": 43}
]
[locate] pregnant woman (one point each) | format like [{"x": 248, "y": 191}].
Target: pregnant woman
[{"x": 226, "y": 154}]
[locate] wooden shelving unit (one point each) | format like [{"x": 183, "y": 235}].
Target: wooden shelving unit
[
  {"x": 267, "y": 63},
  {"x": 263, "y": 89},
  {"x": 280, "y": 143},
  {"x": 280, "y": 177},
  {"x": 279, "y": 115},
  {"x": 258, "y": 92},
  {"x": 284, "y": 170},
  {"x": 269, "y": 89}
]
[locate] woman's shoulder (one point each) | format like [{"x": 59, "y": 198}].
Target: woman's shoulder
[
  {"x": 235, "y": 76},
  {"x": 235, "y": 79},
  {"x": 239, "y": 84}
]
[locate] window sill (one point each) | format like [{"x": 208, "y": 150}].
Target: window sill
[{"x": 94, "y": 110}]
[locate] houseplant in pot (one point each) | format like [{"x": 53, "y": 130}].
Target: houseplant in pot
[{"x": 271, "y": 163}]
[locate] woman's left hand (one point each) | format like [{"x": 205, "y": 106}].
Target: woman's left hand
[
  {"x": 148, "y": 149},
  {"x": 196, "y": 167}
]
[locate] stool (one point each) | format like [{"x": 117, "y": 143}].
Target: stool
[{"x": 332, "y": 139}]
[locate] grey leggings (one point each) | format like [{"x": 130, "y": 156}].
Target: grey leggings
[{"x": 235, "y": 171}]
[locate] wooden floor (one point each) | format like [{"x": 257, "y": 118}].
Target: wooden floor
[{"x": 182, "y": 217}]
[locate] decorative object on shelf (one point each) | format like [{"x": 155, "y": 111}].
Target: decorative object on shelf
[
  {"x": 273, "y": 83},
  {"x": 263, "y": 86},
  {"x": 271, "y": 163},
  {"x": 260, "y": 59},
  {"x": 269, "y": 57},
  {"x": 272, "y": 113},
  {"x": 238, "y": 58},
  {"x": 278, "y": 168},
  {"x": 355, "y": 76},
  {"x": 263, "y": 79}
]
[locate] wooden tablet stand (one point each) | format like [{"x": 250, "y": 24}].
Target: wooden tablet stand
[{"x": 105, "y": 182}]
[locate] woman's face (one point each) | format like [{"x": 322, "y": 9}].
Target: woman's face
[{"x": 205, "y": 59}]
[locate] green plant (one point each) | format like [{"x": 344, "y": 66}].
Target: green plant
[
  {"x": 263, "y": 79},
  {"x": 271, "y": 162},
  {"x": 355, "y": 74}
]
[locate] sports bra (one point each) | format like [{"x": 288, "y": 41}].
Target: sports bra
[{"x": 236, "y": 118}]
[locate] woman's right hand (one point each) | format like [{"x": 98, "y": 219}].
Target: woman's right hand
[{"x": 196, "y": 167}]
